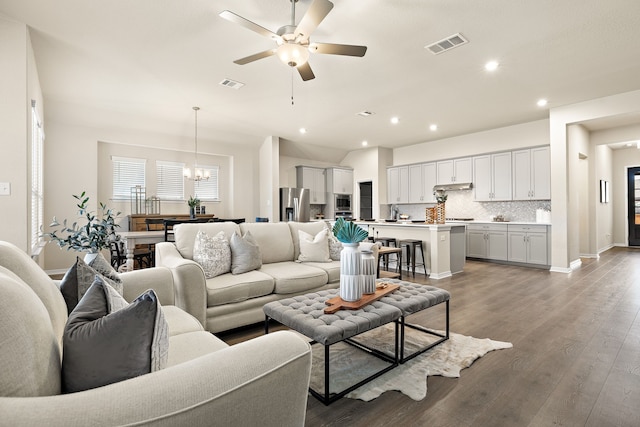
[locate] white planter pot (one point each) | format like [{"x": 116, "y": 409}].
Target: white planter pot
[
  {"x": 90, "y": 256},
  {"x": 350, "y": 283}
]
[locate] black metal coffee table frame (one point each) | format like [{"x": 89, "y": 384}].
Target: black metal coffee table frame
[{"x": 327, "y": 397}]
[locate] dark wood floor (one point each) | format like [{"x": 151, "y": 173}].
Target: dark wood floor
[{"x": 575, "y": 361}]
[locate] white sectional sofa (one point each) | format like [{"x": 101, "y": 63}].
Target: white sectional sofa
[{"x": 229, "y": 301}]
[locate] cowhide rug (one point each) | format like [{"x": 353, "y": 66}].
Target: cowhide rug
[{"x": 350, "y": 365}]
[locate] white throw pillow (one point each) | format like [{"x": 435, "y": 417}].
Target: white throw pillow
[
  {"x": 335, "y": 246},
  {"x": 314, "y": 248},
  {"x": 212, "y": 253}
]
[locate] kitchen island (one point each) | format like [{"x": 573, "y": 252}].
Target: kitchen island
[{"x": 444, "y": 244}]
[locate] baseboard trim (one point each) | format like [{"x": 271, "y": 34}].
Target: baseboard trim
[
  {"x": 55, "y": 272},
  {"x": 440, "y": 275}
]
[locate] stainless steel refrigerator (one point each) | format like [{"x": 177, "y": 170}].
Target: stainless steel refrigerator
[{"x": 294, "y": 204}]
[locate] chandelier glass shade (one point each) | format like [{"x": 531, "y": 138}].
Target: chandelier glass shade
[
  {"x": 199, "y": 174},
  {"x": 293, "y": 54}
]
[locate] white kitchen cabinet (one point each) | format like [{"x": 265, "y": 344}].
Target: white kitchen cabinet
[
  {"x": 313, "y": 179},
  {"x": 487, "y": 241},
  {"x": 492, "y": 177},
  {"x": 455, "y": 171},
  {"x": 532, "y": 174},
  {"x": 398, "y": 184},
  {"x": 528, "y": 244},
  {"x": 339, "y": 180},
  {"x": 422, "y": 179}
]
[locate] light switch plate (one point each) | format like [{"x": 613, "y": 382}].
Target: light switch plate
[{"x": 5, "y": 188}]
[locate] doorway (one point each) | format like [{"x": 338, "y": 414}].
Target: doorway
[
  {"x": 633, "y": 205},
  {"x": 366, "y": 200}
]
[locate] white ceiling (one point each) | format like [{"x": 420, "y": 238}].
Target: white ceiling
[{"x": 143, "y": 64}]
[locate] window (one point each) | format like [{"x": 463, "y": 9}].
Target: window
[
  {"x": 170, "y": 180},
  {"x": 127, "y": 173},
  {"x": 208, "y": 190},
  {"x": 37, "y": 197}
]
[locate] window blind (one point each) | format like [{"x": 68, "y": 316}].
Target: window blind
[
  {"x": 208, "y": 190},
  {"x": 170, "y": 180},
  {"x": 37, "y": 196},
  {"x": 127, "y": 173}
]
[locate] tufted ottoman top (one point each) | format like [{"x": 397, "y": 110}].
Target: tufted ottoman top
[
  {"x": 412, "y": 297},
  {"x": 305, "y": 314}
]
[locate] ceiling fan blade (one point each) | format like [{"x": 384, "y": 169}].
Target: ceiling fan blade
[
  {"x": 338, "y": 49},
  {"x": 255, "y": 57},
  {"x": 305, "y": 72},
  {"x": 318, "y": 10},
  {"x": 237, "y": 19}
]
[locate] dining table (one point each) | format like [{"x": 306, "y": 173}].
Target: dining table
[{"x": 133, "y": 238}]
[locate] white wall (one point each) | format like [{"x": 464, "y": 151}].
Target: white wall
[
  {"x": 578, "y": 167},
  {"x": 501, "y": 139},
  {"x": 269, "y": 162},
  {"x": 603, "y": 225},
  {"x": 365, "y": 168},
  {"x": 621, "y": 160},
  {"x": 18, "y": 86}
]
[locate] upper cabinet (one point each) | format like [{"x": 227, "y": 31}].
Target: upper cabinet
[
  {"x": 398, "y": 184},
  {"x": 313, "y": 179},
  {"x": 454, "y": 171},
  {"x": 422, "y": 179},
  {"x": 492, "y": 177},
  {"x": 339, "y": 180},
  {"x": 532, "y": 174}
]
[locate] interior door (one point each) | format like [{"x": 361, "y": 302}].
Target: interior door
[{"x": 633, "y": 203}]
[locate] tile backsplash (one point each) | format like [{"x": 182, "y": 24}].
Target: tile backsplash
[{"x": 460, "y": 204}]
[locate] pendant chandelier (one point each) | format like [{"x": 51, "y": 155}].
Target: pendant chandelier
[{"x": 199, "y": 174}]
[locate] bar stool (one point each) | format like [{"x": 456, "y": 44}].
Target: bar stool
[
  {"x": 388, "y": 241},
  {"x": 412, "y": 245}
]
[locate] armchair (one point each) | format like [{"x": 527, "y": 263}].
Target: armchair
[{"x": 263, "y": 381}]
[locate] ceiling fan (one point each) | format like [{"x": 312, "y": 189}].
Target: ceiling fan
[{"x": 293, "y": 41}]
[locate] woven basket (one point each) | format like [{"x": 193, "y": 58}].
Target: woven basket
[{"x": 430, "y": 215}]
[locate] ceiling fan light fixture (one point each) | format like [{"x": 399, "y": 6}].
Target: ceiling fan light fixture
[{"x": 293, "y": 54}]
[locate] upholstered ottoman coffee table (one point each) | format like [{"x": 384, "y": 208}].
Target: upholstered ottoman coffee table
[
  {"x": 306, "y": 315},
  {"x": 411, "y": 298}
]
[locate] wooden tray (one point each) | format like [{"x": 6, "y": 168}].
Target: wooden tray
[{"x": 337, "y": 303}]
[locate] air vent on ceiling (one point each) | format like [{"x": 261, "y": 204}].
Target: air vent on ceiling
[
  {"x": 447, "y": 44},
  {"x": 365, "y": 113},
  {"x": 231, "y": 83}
]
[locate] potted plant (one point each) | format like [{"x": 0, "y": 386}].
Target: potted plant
[
  {"x": 193, "y": 202},
  {"x": 350, "y": 234},
  {"x": 441, "y": 198},
  {"x": 91, "y": 237}
]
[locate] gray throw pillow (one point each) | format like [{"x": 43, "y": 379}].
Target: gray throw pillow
[
  {"x": 107, "y": 340},
  {"x": 245, "y": 253},
  {"x": 81, "y": 275},
  {"x": 212, "y": 253}
]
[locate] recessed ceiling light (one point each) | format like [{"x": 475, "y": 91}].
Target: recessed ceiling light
[
  {"x": 365, "y": 143},
  {"x": 433, "y": 127},
  {"x": 542, "y": 102},
  {"x": 491, "y": 65},
  {"x": 395, "y": 120},
  {"x": 303, "y": 130}
]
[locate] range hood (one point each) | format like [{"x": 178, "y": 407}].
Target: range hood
[{"x": 453, "y": 187}]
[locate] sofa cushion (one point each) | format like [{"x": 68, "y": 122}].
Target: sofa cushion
[
  {"x": 212, "y": 253},
  {"x": 79, "y": 278},
  {"x": 313, "y": 248},
  {"x": 29, "y": 347},
  {"x": 185, "y": 347},
  {"x": 185, "y": 234},
  {"x": 312, "y": 228},
  {"x": 229, "y": 288},
  {"x": 331, "y": 268},
  {"x": 293, "y": 277},
  {"x": 274, "y": 240},
  {"x": 107, "y": 340},
  {"x": 245, "y": 253}
]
